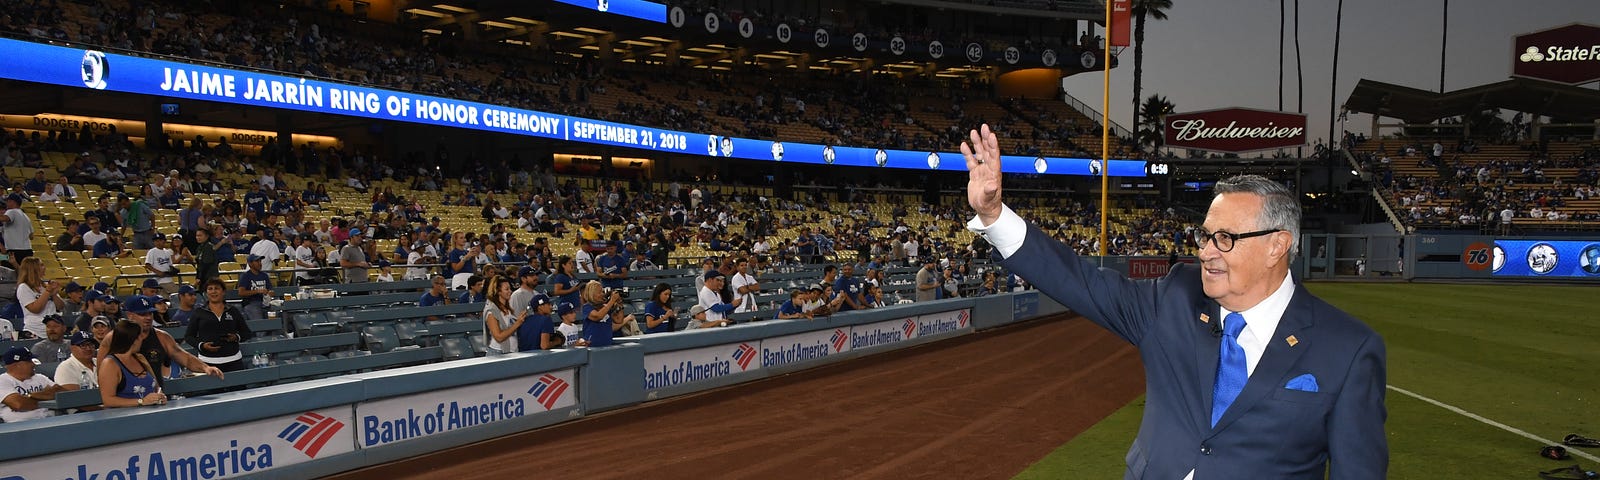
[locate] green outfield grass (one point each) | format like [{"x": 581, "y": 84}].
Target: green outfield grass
[{"x": 1519, "y": 355}]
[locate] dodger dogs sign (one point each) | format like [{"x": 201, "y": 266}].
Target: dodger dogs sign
[{"x": 1235, "y": 130}]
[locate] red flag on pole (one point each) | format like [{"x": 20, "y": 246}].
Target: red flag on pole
[{"x": 1121, "y": 19}]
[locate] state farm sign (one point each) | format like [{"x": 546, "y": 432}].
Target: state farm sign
[
  {"x": 1235, "y": 130},
  {"x": 1569, "y": 54}
]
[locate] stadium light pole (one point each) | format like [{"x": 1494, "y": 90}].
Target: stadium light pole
[
  {"x": 1444, "y": 41},
  {"x": 1105, "y": 130}
]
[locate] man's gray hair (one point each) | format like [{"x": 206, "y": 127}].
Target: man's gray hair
[{"x": 1280, "y": 208}]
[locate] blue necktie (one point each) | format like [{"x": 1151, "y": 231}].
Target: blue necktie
[{"x": 1231, "y": 369}]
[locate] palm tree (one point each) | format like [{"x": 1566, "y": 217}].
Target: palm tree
[
  {"x": 1150, "y": 131},
  {"x": 1154, "y": 9}
]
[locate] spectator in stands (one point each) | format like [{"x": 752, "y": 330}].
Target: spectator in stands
[
  {"x": 538, "y": 330},
  {"x": 792, "y": 308},
  {"x": 92, "y": 230},
  {"x": 571, "y": 332},
  {"x": 599, "y": 323},
  {"x": 94, "y": 304},
  {"x": 658, "y": 312},
  {"x": 306, "y": 260},
  {"x": 716, "y": 311},
  {"x": 849, "y": 288},
  {"x": 78, "y": 372},
  {"x": 123, "y": 364},
  {"x": 158, "y": 347},
  {"x": 159, "y": 261},
  {"x": 527, "y": 288},
  {"x": 745, "y": 285},
  {"x": 139, "y": 218},
  {"x": 928, "y": 281},
  {"x": 37, "y": 295},
  {"x": 16, "y": 229},
  {"x": 206, "y": 258},
  {"x": 353, "y": 259},
  {"x": 255, "y": 286},
  {"x": 421, "y": 254},
  {"x": 111, "y": 247},
  {"x": 63, "y": 191},
  {"x": 461, "y": 259},
  {"x": 53, "y": 347},
  {"x": 70, "y": 240},
  {"x": 641, "y": 262},
  {"x": 24, "y": 388},
  {"x": 267, "y": 249},
  {"x": 951, "y": 286},
  {"x": 611, "y": 267},
  {"x": 217, "y": 328},
  {"x": 990, "y": 285},
  {"x": 816, "y": 304},
  {"x": 72, "y": 301},
  {"x": 500, "y": 325},
  {"x": 438, "y": 294},
  {"x": 474, "y": 292},
  {"x": 187, "y": 297},
  {"x": 35, "y": 185},
  {"x": 564, "y": 283}
]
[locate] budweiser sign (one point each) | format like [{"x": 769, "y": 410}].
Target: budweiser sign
[
  {"x": 1235, "y": 130},
  {"x": 1569, "y": 54}
]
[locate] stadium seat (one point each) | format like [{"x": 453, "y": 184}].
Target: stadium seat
[
  {"x": 457, "y": 347},
  {"x": 379, "y": 338},
  {"x": 408, "y": 332},
  {"x": 477, "y": 344},
  {"x": 315, "y": 323}
]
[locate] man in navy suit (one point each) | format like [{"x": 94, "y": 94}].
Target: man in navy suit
[{"x": 1247, "y": 375}]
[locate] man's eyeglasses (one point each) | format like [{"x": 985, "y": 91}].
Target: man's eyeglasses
[{"x": 1225, "y": 240}]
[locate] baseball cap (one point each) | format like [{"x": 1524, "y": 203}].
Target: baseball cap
[
  {"x": 713, "y": 274},
  {"x": 158, "y": 236},
  {"x": 186, "y": 289},
  {"x": 102, "y": 286},
  {"x": 254, "y": 258},
  {"x": 17, "y": 354},
  {"x": 16, "y": 197},
  {"x": 100, "y": 319},
  {"x": 151, "y": 283},
  {"x": 355, "y": 232},
  {"x": 695, "y": 310},
  {"x": 527, "y": 270},
  {"x": 384, "y": 262},
  {"x": 140, "y": 304},
  {"x": 82, "y": 337},
  {"x": 54, "y": 318},
  {"x": 538, "y": 300},
  {"x": 158, "y": 298},
  {"x": 565, "y": 308},
  {"x": 72, "y": 287}
]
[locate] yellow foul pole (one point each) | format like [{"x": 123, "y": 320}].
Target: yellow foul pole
[{"x": 1105, "y": 131}]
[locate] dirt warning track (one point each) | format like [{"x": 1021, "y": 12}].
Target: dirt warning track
[{"x": 979, "y": 406}]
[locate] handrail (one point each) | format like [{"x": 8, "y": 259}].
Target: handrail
[{"x": 1093, "y": 114}]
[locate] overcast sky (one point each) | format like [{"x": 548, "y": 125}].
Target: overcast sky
[{"x": 1222, "y": 53}]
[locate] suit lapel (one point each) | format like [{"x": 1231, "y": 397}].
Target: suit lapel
[
  {"x": 1277, "y": 359},
  {"x": 1206, "y": 354}
]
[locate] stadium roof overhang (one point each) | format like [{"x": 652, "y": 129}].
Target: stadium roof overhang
[
  {"x": 1563, "y": 102},
  {"x": 579, "y": 33}
]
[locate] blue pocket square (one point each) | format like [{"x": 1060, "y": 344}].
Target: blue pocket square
[{"x": 1304, "y": 383}]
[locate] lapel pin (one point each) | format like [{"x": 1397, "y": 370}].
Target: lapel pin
[
  {"x": 1205, "y": 318},
  {"x": 1292, "y": 341}
]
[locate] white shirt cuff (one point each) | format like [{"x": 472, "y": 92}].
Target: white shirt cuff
[{"x": 1006, "y": 234}]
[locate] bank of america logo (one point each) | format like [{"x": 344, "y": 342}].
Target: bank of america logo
[
  {"x": 910, "y": 327},
  {"x": 548, "y": 390},
  {"x": 310, "y": 432},
  {"x": 743, "y": 355},
  {"x": 964, "y": 317},
  {"x": 839, "y": 340}
]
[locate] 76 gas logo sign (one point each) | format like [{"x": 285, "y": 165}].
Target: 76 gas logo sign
[{"x": 1477, "y": 256}]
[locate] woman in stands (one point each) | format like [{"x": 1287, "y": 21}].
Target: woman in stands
[
  {"x": 216, "y": 330},
  {"x": 658, "y": 313},
  {"x": 500, "y": 325},
  {"x": 131, "y": 375},
  {"x": 599, "y": 325},
  {"x": 564, "y": 284},
  {"x": 37, "y": 295}
]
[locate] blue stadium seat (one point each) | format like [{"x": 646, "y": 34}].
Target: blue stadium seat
[
  {"x": 407, "y": 331},
  {"x": 457, "y": 347},
  {"x": 477, "y": 344},
  {"x": 317, "y": 323},
  {"x": 379, "y": 338}
]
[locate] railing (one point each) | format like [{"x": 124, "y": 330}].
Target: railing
[
  {"x": 1086, "y": 110},
  {"x": 1376, "y": 194}
]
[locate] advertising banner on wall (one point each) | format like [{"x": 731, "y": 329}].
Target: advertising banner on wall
[
  {"x": 682, "y": 367},
  {"x": 1568, "y": 54},
  {"x": 230, "y": 451},
  {"x": 944, "y": 323},
  {"x": 804, "y": 347},
  {"x": 1235, "y": 130},
  {"x": 410, "y": 417},
  {"x": 1546, "y": 258},
  {"x": 879, "y": 334}
]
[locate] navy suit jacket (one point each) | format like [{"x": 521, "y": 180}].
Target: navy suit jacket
[{"x": 1269, "y": 431}]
